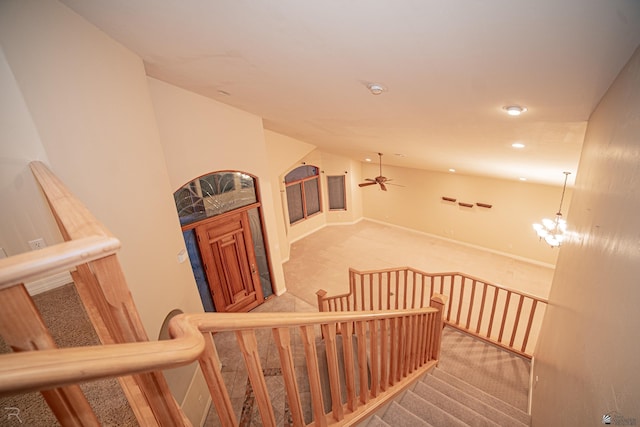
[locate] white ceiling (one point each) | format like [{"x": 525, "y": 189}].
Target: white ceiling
[{"x": 449, "y": 67}]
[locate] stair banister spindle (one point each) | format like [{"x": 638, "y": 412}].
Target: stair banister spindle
[
  {"x": 504, "y": 316},
  {"x": 282, "y": 338},
  {"x": 529, "y": 323},
  {"x": 517, "y": 321}
]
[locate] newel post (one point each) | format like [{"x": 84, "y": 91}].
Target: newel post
[
  {"x": 322, "y": 303},
  {"x": 438, "y": 302}
]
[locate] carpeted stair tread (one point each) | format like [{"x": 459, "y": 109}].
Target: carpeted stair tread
[
  {"x": 493, "y": 401},
  {"x": 398, "y": 416},
  {"x": 429, "y": 412},
  {"x": 376, "y": 421},
  {"x": 466, "y": 399},
  {"x": 451, "y": 406}
]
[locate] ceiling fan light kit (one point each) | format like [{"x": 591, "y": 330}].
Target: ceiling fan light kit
[{"x": 380, "y": 180}]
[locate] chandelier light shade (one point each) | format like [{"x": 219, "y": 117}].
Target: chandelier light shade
[{"x": 553, "y": 231}]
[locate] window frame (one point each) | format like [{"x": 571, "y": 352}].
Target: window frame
[
  {"x": 343, "y": 190},
  {"x": 301, "y": 183}
]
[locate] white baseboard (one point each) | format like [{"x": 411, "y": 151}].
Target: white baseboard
[
  {"x": 47, "y": 283},
  {"x": 469, "y": 245}
]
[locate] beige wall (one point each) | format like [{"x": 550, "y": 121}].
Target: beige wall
[
  {"x": 200, "y": 135},
  {"x": 588, "y": 355},
  {"x": 505, "y": 228},
  {"x": 23, "y": 217},
  {"x": 283, "y": 154},
  {"x": 89, "y": 104}
]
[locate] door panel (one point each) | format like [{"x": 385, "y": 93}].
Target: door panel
[{"x": 230, "y": 263}]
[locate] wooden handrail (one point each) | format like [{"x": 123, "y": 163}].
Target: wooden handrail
[
  {"x": 499, "y": 315},
  {"x": 29, "y": 266}
]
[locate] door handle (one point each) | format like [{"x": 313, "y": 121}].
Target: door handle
[{"x": 253, "y": 268}]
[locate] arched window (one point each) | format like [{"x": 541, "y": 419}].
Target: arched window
[{"x": 303, "y": 193}]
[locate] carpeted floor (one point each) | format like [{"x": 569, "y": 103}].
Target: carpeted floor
[{"x": 69, "y": 324}]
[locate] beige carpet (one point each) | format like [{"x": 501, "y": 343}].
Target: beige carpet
[
  {"x": 69, "y": 324},
  {"x": 322, "y": 259}
]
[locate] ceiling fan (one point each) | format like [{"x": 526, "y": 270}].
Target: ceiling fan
[{"x": 380, "y": 180}]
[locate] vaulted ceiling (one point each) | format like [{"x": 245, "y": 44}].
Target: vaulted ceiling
[{"x": 447, "y": 69}]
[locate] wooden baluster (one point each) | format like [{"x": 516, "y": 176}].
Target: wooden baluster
[
  {"x": 361, "y": 336},
  {"x": 413, "y": 289},
  {"x": 481, "y": 315},
  {"x": 424, "y": 338},
  {"x": 249, "y": 347},
  {"x": 460, "y": 300},
  {"x": 380, "y": 283},
  {"x": 331, "y": 350},
  {"x": 504, "y": 316},
  {"x": 311, "y": 355},
  {"x": 493, "y": 310},
  {"x": 371, "y": 280},
  {"x": 405, "y": 285},
  {"x": 452, "y": 296},
  {"x": 384, "y": 351},
  {"x": 210, "y": 367},
  {"x": 517, "y": 321},
  {"x": 529, "y": 323},
  {"x": 415, "y": 334},
  {"x": 402, "y": 347},
  {"x": 282, "y": 339},
  {"x": 397, "y": 282},
  {"x": 349, "y": 365},
  {"x": 393, "y": 345},
  {"x": 471, "y": 303},
  {"x": 362, "y": 295},
  {"x": 422, "y": 286},
  {"x": 374, "y": 356},
  {"x": 354, "y": 294},
  {"x": 23, "y": 329},
  {"x": 388, "y": 307}
]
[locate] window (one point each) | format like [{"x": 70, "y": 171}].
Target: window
[
  {"x": 214, "y": 194},
  {"x": 335, "y": 188},
  {"x": 303, "y": 193}
]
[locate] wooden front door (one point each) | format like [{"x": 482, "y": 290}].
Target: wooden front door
[{"x": 229, "y": 260}]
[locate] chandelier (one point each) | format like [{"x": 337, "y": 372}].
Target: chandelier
[{"x": 553, "y": 230}]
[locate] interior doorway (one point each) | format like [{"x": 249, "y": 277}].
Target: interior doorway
[{"x": 221, "y": 217}]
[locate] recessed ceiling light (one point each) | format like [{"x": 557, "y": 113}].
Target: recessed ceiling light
[
  {"x": 452, "y": 170},
  {"x": 523, "y": 178},
  {"x": 517, "y": 145},
  {"x": 514, "y": 110},
  {"x": 376, "y": 88},
  {"x": 367, "y": 159},
  {"x": 399, "y": 155}
]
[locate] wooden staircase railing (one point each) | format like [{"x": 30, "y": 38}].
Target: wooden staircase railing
[
  {"x": 501, "y": 316},
  {"x": 381, "y": 352}
]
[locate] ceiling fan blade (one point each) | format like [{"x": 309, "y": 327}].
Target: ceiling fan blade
[
  {"x": 364, "y": 184},
  {"x": 370, "y": 179},
  {"x": 382, "y": 186}
]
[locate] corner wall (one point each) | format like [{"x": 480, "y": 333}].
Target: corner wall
[{"x": 587, "y": 359}]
